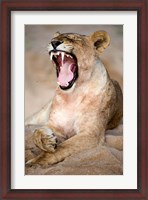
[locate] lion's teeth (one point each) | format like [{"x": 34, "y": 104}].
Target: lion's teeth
[
  {"x": 66, "y": 84},
  {"x": 51, "y": 55},
  {"x": 62, "y": 54},
  {"x": 69, "y": 56}
]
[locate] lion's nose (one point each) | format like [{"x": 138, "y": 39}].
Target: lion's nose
[{"x": 55, "y": 44}]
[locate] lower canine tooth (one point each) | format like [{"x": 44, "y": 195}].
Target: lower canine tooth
[{"x": 64, "y": 85}]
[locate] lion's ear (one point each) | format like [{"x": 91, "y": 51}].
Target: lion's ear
[
  {"x": 101, "y": 40},
  {"x": 56, "y": 34}
]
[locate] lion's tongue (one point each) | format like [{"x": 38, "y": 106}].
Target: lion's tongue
[{"x": 65, "y": 74}]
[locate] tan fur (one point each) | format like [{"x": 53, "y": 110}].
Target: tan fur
[{"x": 79, "y": 116}]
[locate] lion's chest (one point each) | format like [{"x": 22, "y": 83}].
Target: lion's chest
[
  {"x": 69, "y": 114},
  {"x": 64, "y": 117}
]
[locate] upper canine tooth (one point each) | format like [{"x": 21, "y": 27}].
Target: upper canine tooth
[
  {"x": 51, "y": 55},
  {"x": 62, "y": 53}
]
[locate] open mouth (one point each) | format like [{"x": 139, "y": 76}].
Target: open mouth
[{"x": 66, "y": 67}]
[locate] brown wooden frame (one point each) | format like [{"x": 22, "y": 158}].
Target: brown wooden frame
[{"x": 141, "y": 6}]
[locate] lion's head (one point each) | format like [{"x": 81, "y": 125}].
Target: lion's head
[{"x": 75, "y": 55}]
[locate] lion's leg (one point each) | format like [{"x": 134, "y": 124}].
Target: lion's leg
[
  {"x": 46, "y": 140},
  {"x": 84, "y": 140}
]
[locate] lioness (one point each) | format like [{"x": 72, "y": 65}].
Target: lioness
[{"x": 86, "y": 102}]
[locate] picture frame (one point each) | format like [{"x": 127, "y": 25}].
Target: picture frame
[{"x": 5, "y": 105}]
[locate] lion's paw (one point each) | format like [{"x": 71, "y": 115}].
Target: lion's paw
[{"x": 45, "y": 139}]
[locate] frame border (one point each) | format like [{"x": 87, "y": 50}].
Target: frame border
[{"x": 6, "y": 6}]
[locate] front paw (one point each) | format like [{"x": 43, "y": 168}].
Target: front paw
[{"x": 45, "y": 139}]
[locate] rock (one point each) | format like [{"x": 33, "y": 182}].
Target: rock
[{"x": 103, "y": 160}]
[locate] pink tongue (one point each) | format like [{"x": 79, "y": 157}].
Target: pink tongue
[{"x": 65, "y": 75}]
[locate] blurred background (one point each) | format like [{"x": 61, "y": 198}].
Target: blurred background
[{"x": 40, "y": 75}]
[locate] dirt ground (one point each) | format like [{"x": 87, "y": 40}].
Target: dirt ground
[{"x": 40, "y": 83}]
